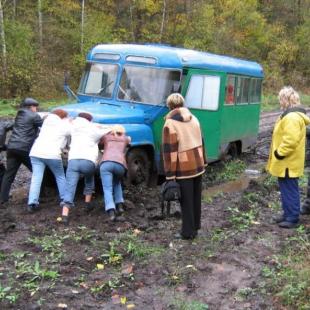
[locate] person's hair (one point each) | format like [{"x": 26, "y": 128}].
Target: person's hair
[
  {"x": 61, "y": 113},
  {"x": 118, "y": 130},
  {"x": 288, "y": 97},
  {"x": 85, "y": 115},
  {"x": 175, "y": 101}
]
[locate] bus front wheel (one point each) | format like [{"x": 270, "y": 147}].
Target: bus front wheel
[{"x": 138, "y": 167}]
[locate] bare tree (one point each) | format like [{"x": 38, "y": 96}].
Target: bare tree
[
  {"x": 14, "y": 9},
  {"x": 3, "y": 42},
  {"x": 163, "y": 21},
  {"x": 40, "y": 24},
  {"x": 82, "y": 26},
  {"x": 131, "y": 22}
]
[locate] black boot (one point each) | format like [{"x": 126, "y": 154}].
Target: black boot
[
  {"x": 119, "y": 209},
  {"x": 89, "y": 207},
  {"x": 112, "y": 215},
  {"x": 32, "y": 208}
]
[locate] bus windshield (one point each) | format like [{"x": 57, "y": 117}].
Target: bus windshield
[
  {"x": 148, "y": 85},
  {"x": 99, "y": 79}
]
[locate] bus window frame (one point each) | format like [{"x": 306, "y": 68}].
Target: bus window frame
[
  {"x": 260, "y": 93},
  {"x": 86, "y": 79},
  {"x": 203, "y": 75},
  {"x": 242, "y": 77},
  {"x": 142, "y": 65}
]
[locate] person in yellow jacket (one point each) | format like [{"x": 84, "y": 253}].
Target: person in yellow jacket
[{"x": 287, "y": 154}]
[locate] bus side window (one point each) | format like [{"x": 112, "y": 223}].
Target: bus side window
[
  {"x": 230, "y": 90},
  {"x": 203, "y": 92}
]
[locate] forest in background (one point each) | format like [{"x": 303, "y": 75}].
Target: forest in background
[{"x": 40, "y": 39}]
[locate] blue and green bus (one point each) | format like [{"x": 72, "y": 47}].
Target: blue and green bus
[{"x": 128, "y": 84}]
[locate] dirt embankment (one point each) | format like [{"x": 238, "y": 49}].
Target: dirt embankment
[{"x": 136, "y": 264}]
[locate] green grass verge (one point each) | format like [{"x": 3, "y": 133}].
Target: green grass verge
[
  {"x": 271, "y": 102},
  {"x": 289, "y": 277},
  {"x": 8, "y": 107}
]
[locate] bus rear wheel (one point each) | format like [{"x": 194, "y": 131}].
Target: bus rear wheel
[
  {"x": 138, "y": 167},
  {"x": 233, "y": 150}
]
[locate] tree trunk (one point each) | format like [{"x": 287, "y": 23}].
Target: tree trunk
[
  {"x": 3, "y": 43},
  {"x": 131, "y": 23},
  {"x": 40, "y": 24},
  {"x": 14, "y": 9},
  {"x": 82, "y": 26},
  {"x": 163, "y": 21}
]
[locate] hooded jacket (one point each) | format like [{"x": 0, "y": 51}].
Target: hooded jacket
[
  {"x": 287, "y": 150},
  {"x": 183, "y": 150}
]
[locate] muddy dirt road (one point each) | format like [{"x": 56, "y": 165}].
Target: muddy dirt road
[{"x": 136, "y": 264}]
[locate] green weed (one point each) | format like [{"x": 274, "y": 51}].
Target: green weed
[
  {"x": 51, "y": 244},
  {"x": 105, "y": 287},
  {"x": 241, "y": 220},
  {"x": 231, "y": 171},
  {"x": 244, "y": 293},
  {"x": 270, "y": 182},
  {"x": 181, "y": 304},
  {"x": 289, "y": 279},
  {"x": 6, "y": 293},
  {"x": 33, "y": 274},
  {"x": 113, "y": 257}
]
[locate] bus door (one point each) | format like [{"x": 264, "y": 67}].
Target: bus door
[{"x": 203, "y": 91}]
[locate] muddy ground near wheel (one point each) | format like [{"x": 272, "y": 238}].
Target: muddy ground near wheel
[{"x": 137, "y": 264}]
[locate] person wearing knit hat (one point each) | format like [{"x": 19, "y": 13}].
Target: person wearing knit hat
[{"x": 25, "y": 130}]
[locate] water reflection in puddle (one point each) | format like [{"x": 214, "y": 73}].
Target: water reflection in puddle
[{"x": 236, "y": 185}]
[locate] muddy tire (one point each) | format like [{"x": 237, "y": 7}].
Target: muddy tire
[
  {"x": 139, "y": 167},
  {"x": 233, "y": 150}
]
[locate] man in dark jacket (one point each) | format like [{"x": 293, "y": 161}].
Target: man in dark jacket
[
  {"x": 25, "y": 130},
  {"x": 4, "y": 128}
]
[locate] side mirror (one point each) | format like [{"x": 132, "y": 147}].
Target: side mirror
[
  {"x": 176, "y": 87},
  {"x": 66, "y": 77}
]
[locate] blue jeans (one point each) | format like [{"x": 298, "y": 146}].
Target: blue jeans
[
  {"x": 38, "y": 168},
  {"x": 290, "y": 198},
  {"x": 76, "y": 167},
  {"x": 111, "y": 174}
]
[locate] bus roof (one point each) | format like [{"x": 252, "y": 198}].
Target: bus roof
[{"x": 174, "y": 57}]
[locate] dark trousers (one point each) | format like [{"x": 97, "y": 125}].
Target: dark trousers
[
  {"x": 2, "y": 171},
  {"x": 190, "y": 205},
  {"x": 306, "y": 205},
  {"x": 14, "y": 159},
  {"x": 290, "y": 198}
]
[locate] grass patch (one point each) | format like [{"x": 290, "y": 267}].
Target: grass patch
[
  {"x": 224, "y": 172},
  {"x": 9, "y": 107},
  {"x": 182, "y": 304},
  {"x": 289, "y": 277},
  {"x": 271, "y": 103}
]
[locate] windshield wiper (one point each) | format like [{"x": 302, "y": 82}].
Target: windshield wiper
[
  {"x": 101, "y": 90},
  {"x": 124, "y": 92}
]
